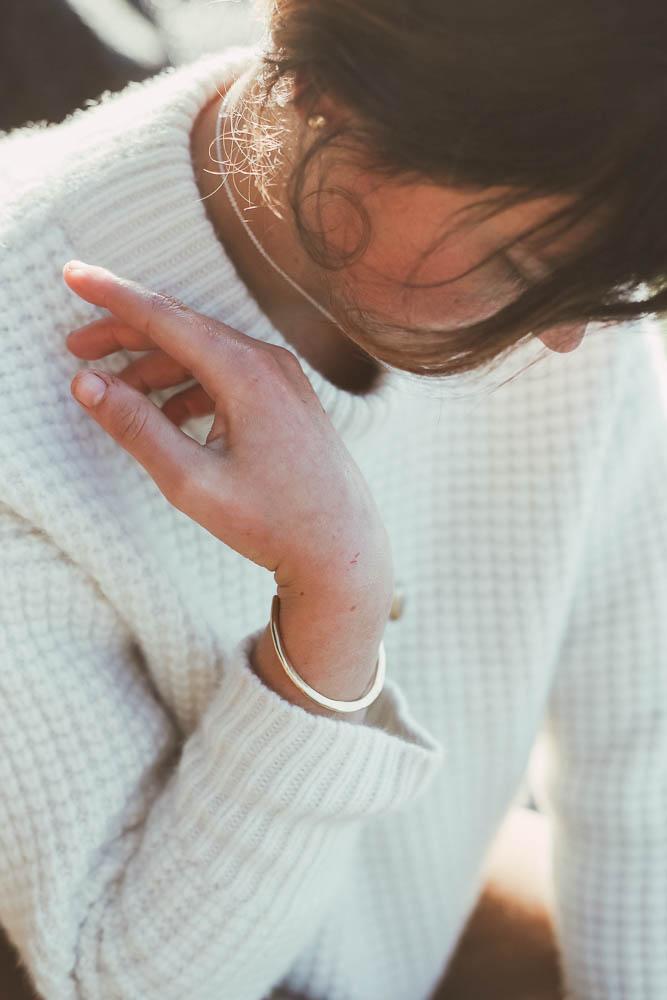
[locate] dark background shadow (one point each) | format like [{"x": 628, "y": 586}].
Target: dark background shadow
[{"x": 52, "y": 61}]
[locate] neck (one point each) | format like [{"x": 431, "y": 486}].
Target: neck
[{"x": 323, "y": 343}]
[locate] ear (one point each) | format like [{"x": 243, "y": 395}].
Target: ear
[
  {"x": 563, "y": 338},
  {"x": 308, "y": 99}
]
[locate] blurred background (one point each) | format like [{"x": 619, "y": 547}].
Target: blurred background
[{"x": 57, "y": 54}]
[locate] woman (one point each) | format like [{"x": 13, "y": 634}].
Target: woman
[{"x": 196, "y": 802}]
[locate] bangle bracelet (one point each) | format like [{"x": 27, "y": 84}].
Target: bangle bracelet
[{"x": 321, "y": 699}]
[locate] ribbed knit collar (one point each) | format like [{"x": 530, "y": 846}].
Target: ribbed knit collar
[{"x": 142, "y": 216}]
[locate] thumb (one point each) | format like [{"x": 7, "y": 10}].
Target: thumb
[{"x": 171, "y": 458}]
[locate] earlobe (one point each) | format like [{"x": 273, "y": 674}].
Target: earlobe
[
  {"x": 316, "y": 121},
  {"x": 563, "y": 339},
  {"x": 315, "y": 109}
]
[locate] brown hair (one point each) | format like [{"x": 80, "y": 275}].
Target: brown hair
[{"x": 551, "y": 97}]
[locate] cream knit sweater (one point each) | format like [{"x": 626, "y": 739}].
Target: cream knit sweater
[{"x": 170, "y": 827}]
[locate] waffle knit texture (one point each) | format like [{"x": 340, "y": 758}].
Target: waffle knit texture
[{"x": 170, "y": 826}]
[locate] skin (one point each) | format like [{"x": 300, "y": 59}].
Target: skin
[
  {"x": 405, "y": 219},
  {"x": 258, "y": 483}
]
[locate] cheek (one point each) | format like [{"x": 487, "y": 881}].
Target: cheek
[{"x": 376, "y": 284}]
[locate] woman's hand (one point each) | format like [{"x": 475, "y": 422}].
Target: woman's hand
[{"x": 274, "y": 481}]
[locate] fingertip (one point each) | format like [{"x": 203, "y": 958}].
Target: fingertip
[
  {"x": 88, "y": 387},
  {"x": 73, "y": 268},
  {"x": 71, "y": 346},
  {"x": 76, "y": 339}
]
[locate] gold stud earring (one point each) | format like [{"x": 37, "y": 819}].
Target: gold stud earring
[{"x": 316, "y": 121}]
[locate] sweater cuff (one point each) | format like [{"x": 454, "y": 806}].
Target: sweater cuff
[{"x": 259, "y": 752}]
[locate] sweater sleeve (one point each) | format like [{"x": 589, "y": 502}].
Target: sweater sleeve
[
  {"x": 606, "y": 747},
  {"x": 137, "y": 864}
]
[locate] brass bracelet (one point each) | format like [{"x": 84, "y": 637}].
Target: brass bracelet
[{"x": 321, "y": 699}]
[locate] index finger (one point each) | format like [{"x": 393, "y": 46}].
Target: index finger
[{"x": 180, "y": 331}]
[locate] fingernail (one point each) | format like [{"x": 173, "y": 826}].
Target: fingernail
[
  {"x": 89, "y": 388},
  {"x": 75, "y": 267}
]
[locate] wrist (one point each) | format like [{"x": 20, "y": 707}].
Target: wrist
[
  {"x": 357, "y": 573},
  {"x": 333, "y": 644},
  {"x": 266, "y": 664},
  {"x": 366, "y": 593},
  {"x": 322, "y": 628}
]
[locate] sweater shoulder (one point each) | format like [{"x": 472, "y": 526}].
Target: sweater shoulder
[
  {"x": 40, "y": 160},
  {"x": 89, "y": 171},
  {"x": 54, "y": 163}
]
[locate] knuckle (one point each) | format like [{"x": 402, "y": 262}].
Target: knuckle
[
  {"x": 209, "y": 327},
  {"x": 159, "y": 303},
  {"x": 130, "y": 423},
  {"x": 264, "y": 362},
  {"x": 290, "y": 364},
  {"x": 285, "y": 357},
  {"x": 252, "y": 367},
  {"x": 154, "y": 306},
  {"x": 169, "y": 302},
  {"x": 273, "y": 365}
]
